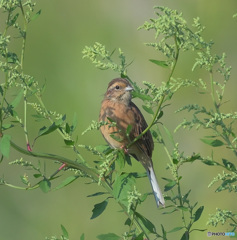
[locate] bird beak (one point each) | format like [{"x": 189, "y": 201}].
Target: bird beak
[{"x": 128, "y": 88}]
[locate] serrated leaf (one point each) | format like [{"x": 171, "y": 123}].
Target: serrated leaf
[
  {"x": 147, "y": 109},
  {"x": 99, "y": 209},
  {"x": 198, "y": 213},
  {"x": 45, "y": 185},
  {"x": 209, "y": 162},
  {"x": 65, "y": 232},
  {"x": 149, "y": 226},
  {"x": 159, "y": 63},
  {"x": 5, "y": 144},
  {"x": 66, "y": 182},
  {"x": 212, "y": 142},
  {"x": 169, "y": 185},
  {"x": 109, "y": 236}
]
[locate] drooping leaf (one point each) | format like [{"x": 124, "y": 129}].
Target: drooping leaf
[
  {"x": 198, "y": 213},
  {"x": 212, "y": 142},
  {"x": 147, "y": 224},
  {"x": 169, "y": 186},
  {"x": 108, "y": 236},
  {"x": 5, "y": 144},
  {"x": 147, "y": 109},
  {"x": 163, "y": 64},
  {"x": 45, "y": 185},
  {"x": 99, "y": 209}
]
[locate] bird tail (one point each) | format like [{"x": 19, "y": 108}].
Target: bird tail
[{"x": 155, "y": 187}]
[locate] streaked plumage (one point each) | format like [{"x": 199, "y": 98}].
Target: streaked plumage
[{"x": 117, "y": 106}]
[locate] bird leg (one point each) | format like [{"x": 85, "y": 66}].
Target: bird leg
[{"x": 124, "y": 148}]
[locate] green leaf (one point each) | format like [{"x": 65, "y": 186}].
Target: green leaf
[
  {"x": 82, "y": 236},
  {"x": 175, "y": 229},
  {"x": 17, "y": 99},
  {"x": 128, "y": 130},
  {"x": 169, "y": 185},
  {"x": 46, "y": 130},
  {"x": 210, "y": 162},
  {"x": 185, "y": 236},
  {"x": 141, "y": 96},
  {"x": 198, "y": 213},
  {"x": 109, "y": 236},
  {"x": 163, "y": 64},
  {"x": 36, "y": 15},
  {"x": 123, "y": 184},
  {"x": 99, "y": 209},
  {"x": 7, "y": 126},
  {"x": 173, "y": 210},
  {"x": 5, "y": 144},
  {"x": 212, "y": 142},
  {"x": 45, "y": 185},
  {"x": 65, "y": 232},
  {"x": 69, "y": 142},
  {"x": 182, "y": 208},
  {"x": 147, "y": 109},
  {"x": 149, "y": 226},
  {"x": 169, "y": 134},
  {"x": 229, "y": 165},
  {"x": 66, "y": 182},
  {"x": 120, "y": 159},
  {"x": 97, "y": 194}
]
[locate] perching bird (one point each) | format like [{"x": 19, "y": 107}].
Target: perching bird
[{"x": 118, "y": 107}]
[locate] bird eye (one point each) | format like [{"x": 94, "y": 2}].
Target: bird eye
[{"x": 117, "y": 87}]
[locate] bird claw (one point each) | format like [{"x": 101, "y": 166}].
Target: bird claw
[{"x": 123, "y": 147}]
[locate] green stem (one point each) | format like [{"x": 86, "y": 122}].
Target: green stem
[
  {"x": 223, "y": 135},
  {"x": 82, "y": 167},
  {"x": 6, "y": 75},
  {"x": 162, "y": 97}
]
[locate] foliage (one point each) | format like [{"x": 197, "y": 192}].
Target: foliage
[{"x": 173, "y": 35}]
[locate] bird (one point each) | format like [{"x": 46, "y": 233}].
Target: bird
[{"x": 121, "y": 114}]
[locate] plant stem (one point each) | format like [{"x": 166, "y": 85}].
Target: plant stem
[
  {"x": 82, "y": 167},
  {"x": 162, "y": 97}
]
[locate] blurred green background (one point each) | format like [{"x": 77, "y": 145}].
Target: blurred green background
[{"x": 54, "y": 53}]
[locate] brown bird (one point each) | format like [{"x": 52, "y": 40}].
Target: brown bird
[{"x": 118, "y": 107}]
